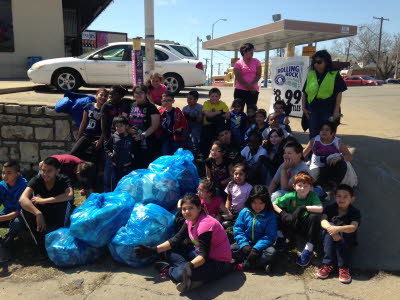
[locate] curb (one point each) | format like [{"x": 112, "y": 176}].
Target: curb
[{"x": 18, "y": 89}]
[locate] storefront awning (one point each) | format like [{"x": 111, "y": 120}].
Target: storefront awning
[{"x": 277, "y": 35}]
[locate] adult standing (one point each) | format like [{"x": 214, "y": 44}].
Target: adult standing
[
  {"x": 247, "y": 74},
  {"x": 144, "y": 118},
  {"x": 322, "y": 92}
]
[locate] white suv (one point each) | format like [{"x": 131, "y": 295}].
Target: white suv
[{"x": 112, "y": 65}]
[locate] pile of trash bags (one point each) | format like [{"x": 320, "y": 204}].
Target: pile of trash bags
[{"x": 139, "y": 211}]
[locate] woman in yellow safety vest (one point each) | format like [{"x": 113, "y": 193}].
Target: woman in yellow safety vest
[{"x": 322, "y": 92}]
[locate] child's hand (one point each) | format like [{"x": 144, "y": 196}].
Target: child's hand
[
  {"x": 98, "y": 144},
  {"x": 227, "y": 217},
  {"x": 334, "y": 161},
  {"x": 37, "y": 200},
  {"x": 40, "y": 223},
  {"x": 336, "y": 237},
  {"x": 332, "y": 230},
  {"x": 110, "y": 154}
]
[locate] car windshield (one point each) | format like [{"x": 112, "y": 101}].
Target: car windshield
[
  {"x": 87, "y": 54},
  {"x": 182, "y": 50},
  {"x": 367, "y": 78}
]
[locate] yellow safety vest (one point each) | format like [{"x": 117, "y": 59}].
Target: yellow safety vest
[{"x": 323, "y": 91}]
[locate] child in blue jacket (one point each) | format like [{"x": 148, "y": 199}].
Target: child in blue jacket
[
  {"x": 255, "y": 232},
  {"x": 11, "y": 188}
]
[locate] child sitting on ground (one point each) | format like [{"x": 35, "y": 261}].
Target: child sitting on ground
[
  {"x": 255, "y": 156},
  {"x": 194, "y": 117},
  {"x": 280, "y": 109},
  {"x": 255, "y": 232},
  {"x": 273, "y": 123},
  {"x": 237, "y": 121},
  {"x": 173, "y": 126},
  {"x": 251, "y": 114},
  {"x": 340, "y": 222},
  {"x": 11, "y": 189},
  {"x": 215, "y": 114},
  {"x": 47, "y": 202},
  {"x": 212, "y": 203},
  {"x": 232, "y": 149},
  {"x": 120, "y": 148},
  {"x": 260, "y": 125},
  {"x": 300, "y": 212},
  {"x": 218, "y": 168},
  {"x": 238, "y": 191}
]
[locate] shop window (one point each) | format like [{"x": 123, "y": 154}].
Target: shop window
[{"x": 6, "y": 27}]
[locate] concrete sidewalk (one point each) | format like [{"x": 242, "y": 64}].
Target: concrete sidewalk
[{"x": 16, "y": 86}]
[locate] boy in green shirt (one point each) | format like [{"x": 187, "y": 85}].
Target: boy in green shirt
[{"x": 300, "y": 211}]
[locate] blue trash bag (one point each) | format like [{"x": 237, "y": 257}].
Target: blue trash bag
[
  {"x": 66, "y": 251},
  {"x": 74, "y": 104},
  {"x": 146, "y": 186},
  {"x": 100, "y": 217},
  {"x": 180, "y": 166},
  {"x": 148, "y": 225}
]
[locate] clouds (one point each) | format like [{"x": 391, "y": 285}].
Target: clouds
[{"x": 165, "y": 2}]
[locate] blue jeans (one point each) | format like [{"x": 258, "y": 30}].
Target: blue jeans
[
  {"x": 338, "y": 252},
  {"x": 267, "y": 257},
  {"x": 211, "y": 270},
  {"x": 321, "y": 111},
  {"x": 15, "y": 226},
  {"x": 113, "y": 174}
]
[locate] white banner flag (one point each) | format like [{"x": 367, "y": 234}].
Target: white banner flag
[{"x": 288, "y": 75}]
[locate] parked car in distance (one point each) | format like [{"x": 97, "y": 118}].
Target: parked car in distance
[
  {"x": 112, "y": 65},
  {"x": 361, "y": 80},
  {"x": 178, "y": 49},
  {"x": 392, "y": 81}
]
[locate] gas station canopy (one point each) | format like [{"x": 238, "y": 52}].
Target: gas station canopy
[{"x": 279, "y": 34}]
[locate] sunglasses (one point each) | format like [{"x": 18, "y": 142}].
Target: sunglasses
[{"x": 318, "y": 62}]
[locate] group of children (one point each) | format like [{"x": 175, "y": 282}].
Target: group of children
[{"x": 240, "y": 154}]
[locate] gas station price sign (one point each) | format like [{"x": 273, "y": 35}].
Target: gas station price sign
[{"x": 288, "y": 75}]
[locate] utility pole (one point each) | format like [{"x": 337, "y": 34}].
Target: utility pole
[
  {"x": 219, "y": 68},
  {"x": 380, "y": 41},
  {"x": 149, "y": 37},
  {"x": 206, "y": 59},
  {"x": 198, "y": 42},
  {"x": 212, "y": 51}
]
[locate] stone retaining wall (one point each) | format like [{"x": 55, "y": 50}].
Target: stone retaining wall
[{"x": 30, "y": 133}]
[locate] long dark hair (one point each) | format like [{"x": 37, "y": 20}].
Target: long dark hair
[
  {"x": 280, "y": 133},
  {"x": 323, "y": 54},
  {"x": 260, "y": 192}
]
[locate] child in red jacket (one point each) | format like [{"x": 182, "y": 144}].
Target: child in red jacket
[{"x": 173, "y": 126}]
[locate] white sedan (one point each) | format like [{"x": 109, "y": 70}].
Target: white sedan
[{"x": 111, "y": 65}]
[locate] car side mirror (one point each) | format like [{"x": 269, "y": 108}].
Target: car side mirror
[{"x": 97, "y": 56}]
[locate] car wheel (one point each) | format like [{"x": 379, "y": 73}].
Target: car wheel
[
  {"x": 173, "y": 82},
  {"x": 67, "y": 80}
]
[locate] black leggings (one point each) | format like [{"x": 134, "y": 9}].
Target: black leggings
[{"x": 246, "y": 97}]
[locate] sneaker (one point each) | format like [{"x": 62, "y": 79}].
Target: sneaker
[
  {"x": 280, "y": 244},
  {"x": 161, "y": 266},
  {"x": 344, "y": 275},
  {"x": 268, "y": 269},
  {"x": 304, "y": 259},
  {"x": 5, "y": 254},
  {"x": 324, "y": 271}
]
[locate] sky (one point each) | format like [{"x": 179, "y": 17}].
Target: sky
[{"x": 184, "y": 20}]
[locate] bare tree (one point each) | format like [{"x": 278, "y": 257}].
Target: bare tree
[{"x": 363, "y": 48}]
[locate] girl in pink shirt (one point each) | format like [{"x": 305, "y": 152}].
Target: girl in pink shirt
[
  {"x": 156, "y": 88},
  {"x": 212, "y": 204},
  {"x": 211, "y": 258}
]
